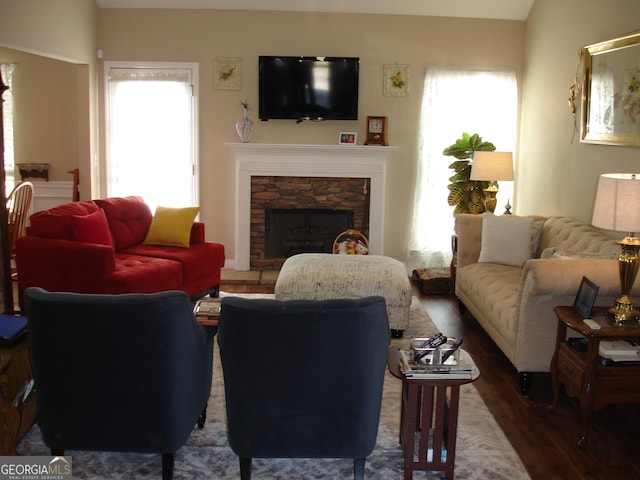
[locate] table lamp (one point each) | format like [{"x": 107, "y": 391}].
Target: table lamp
[
  {"x": 491, "y": 167},
  {"x": 616, "y": 208}
]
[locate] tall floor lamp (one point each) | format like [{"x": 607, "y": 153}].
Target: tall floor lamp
[{"x": 616, "y": 209}]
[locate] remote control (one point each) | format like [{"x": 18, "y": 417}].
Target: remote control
[
  {"x": 592, "y": 324},
  {"x": 428, "y": 341},
  {"x": 434, "y": 343},
  {"x": 439, "y": 341},
  {"x": 453, "y": 348}
]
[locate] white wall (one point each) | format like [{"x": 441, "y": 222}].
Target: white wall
[
  {"x": 556, "y": 176},
  {"x": 183, "y": 35},
  {"x": 62, "y": 30}
]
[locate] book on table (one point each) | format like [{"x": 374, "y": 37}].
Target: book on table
[
  {"x": 12, "y": 327},
  {"x": 461, "y": 367},
  {"x": 612, "y": 351},
  {"x": 209, "y": 307}
]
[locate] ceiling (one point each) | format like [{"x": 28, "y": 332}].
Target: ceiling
[{"x": 494, "y": 9}]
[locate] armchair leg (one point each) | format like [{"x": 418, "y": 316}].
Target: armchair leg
[
  {"x": 168, "y": 461},
  {"x": 358, "y": 468},
  {"x": 245, "y": 468},
  {"x": 202, "y": 418}
]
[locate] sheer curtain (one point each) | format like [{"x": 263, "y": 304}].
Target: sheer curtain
[
  {"x": 7, "y": 69},
  {"x": 456, "y": 100}
]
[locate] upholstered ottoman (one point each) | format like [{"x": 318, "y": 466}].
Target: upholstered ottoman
[{"x": 320, "y": 276}]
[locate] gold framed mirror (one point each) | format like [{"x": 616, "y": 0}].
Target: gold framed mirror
[{"x": 611, "y": 92}]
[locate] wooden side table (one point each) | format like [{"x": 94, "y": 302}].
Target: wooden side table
[
  {"x": 428, "y": 419},
  {"x": 593, "y": 384},
  {"x": 15, "y": 421}
]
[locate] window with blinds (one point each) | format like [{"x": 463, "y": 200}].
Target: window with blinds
[{"x": 151, "y": 132}]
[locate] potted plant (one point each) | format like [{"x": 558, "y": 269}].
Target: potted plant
[{"x": 467, "y": 195}]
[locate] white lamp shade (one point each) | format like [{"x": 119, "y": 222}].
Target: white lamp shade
[
  {"x": 617, "y": 204},
  {"x": 492, "y": 166}
]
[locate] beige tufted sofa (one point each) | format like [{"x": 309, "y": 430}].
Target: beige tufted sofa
[{"x": 515, "y": 304}]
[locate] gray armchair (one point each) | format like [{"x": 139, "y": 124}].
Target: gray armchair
[
  {"x": 125, "y": 373},
  {"x": 303, "y": 378}
]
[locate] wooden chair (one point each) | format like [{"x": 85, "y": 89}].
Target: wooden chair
[{"x": 18, "y": 205}]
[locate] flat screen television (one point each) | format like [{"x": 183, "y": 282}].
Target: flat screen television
[{"x": 308, "y": 88}]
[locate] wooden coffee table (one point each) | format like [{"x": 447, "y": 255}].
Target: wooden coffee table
[
  {"x": 580, "y": 371},
  {"x": 428, "y": 418}
]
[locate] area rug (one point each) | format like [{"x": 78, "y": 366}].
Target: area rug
[{"x": 483, "y": 451}]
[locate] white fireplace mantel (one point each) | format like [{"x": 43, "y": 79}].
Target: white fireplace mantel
[{"x": 295, "y": 160}]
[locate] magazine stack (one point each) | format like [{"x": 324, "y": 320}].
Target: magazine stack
[
  {"x": 619, "y": 352},
  {"x": 436, "y": 357}
]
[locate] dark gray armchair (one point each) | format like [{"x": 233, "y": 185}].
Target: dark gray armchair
[
  {"x": 125, "y": 373},
  {"x": 303, "y": 378}
]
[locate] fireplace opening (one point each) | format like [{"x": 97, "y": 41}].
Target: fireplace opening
[{"x": 307, "y": 230}]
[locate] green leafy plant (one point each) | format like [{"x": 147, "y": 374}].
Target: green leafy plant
[{"x": 467, "y": 195}]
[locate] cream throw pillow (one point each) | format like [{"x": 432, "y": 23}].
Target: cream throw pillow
[
  {"x": 506, "y": 239},
  {"x": 171, "y": 226}
]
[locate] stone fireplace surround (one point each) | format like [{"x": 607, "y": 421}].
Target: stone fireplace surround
[
  {"x": 343, "y": 198},
  {"x": 297, "y": 160}
]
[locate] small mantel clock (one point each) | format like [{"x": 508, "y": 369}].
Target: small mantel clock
[{"x": 376, "y": 131}]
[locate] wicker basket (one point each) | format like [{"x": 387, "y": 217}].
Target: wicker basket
[{"x": 351, "y": 242}]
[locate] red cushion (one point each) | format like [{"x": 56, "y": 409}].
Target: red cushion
[
  {"x": 138, "y": 274},
  {"x": 197, "y": 261},
  {"x": 92, "y": 228},
  {"x": 56, "y": 222},
  {"x": 129, "y": 219}
]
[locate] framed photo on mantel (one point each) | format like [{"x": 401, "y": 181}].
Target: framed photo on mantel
[{"x": 347, "y": 138}]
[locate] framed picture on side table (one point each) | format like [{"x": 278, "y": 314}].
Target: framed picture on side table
[{"x": 586, "y": 297}]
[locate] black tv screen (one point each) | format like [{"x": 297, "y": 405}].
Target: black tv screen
[{"x": 308, "y": 88}]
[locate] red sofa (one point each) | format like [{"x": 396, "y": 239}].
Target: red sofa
[{"x": 52, "y": 256}]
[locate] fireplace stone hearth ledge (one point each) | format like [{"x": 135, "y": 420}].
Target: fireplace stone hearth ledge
[{"x": 298, "y": 160}]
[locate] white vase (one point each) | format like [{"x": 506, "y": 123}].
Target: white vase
[{"x": 244, "y": 127}]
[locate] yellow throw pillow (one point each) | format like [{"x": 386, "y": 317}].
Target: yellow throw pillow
[{"x": 171, "y": 226}]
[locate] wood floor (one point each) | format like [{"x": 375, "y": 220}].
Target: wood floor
[{"x": 546, "y": 442}]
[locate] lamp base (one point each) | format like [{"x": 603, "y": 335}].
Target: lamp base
[
  {"x": 628, "y": 263},
  {"x": 490, "y": 200},
  {"x": 624, "y": 311}
]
